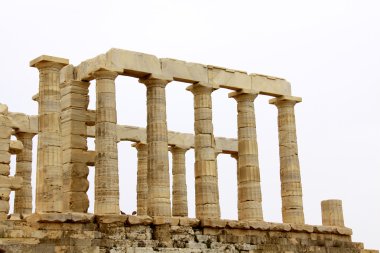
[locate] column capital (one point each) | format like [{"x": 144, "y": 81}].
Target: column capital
[
  {"x": 104, "y": 74},
  {"x": 285, "y": 100},
  {"x": 155, "y": 79},
  {"x": 46, "y": 61},
  {"x": 178, "y": 149},
  {"x": 244, "y": 95},
  {"x": 200, "y": 88},
  {"x": 139, "y": 145}
]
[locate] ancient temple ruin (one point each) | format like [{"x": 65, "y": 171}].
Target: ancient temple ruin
[{"x": 61, "y": 222}]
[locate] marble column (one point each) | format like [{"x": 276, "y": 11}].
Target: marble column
[
  {"x": 49, "y": 193},
  {"x": 74, "y": 103},
  {"x": 106, "y": 161},
  {"x": 179, "y": 187},
  {"x": 142, "y": 174},
  {"x": 290, "y": 174},
  {"x": 206, "y": 176},
  {"x": 157, "y": 140},
  {"x": 332, "y": 213},
  {"x": 23, "y": 197},
  {"x": 248, "y": 172}
]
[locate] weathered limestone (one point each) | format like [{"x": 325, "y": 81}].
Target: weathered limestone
[
  {"x": 49, "y": 194},
  {"x": 157, "y": 140},
  {"x": 291, "y": 187},
  {"x": 206, "y": 178},
  {"x": 332, "y": 213},
  {"x": 185, "y": 140},
  {"x": 142, "y": 178},
  {"x": 23, "y": 196},
  {"x": 74, "y": 102},
  {"x": 179, "y": 187},
  {"x": 248, "y": 172},
  {"x": 7, "y": 183},
  {"x": 106, "y": 162}
]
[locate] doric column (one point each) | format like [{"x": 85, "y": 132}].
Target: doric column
[
  {"x": 291, "y": 188},
  {"x": 179, "y": 187},
  {"x": 49, "y": 194},
  {"x": 248, "y": 172},
  {"x": 142, "y": 174},
  {"x": 23, "y": 197},
  {"x": 74, "y": 103},
  {"x": 332, "y": 213},
  {"x": 157, "y": 139},
  {"x": 206, "y": 175},
  {"x": 106, "y": 161}
]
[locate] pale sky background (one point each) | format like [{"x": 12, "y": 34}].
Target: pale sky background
[{"x": 328, "y": 50}]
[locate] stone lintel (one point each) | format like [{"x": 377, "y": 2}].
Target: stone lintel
[
  {"x": 156, "y": 77},
  {"x": 48, "y": 59},
  {"x": 285, "y": 98}
]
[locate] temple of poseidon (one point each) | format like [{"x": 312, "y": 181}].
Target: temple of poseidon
[{"x": 60, "y": 221}]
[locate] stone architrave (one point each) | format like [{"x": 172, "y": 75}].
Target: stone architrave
[
  {"x": 106, "y": 161},
  {"x": 206, "y": 178},
  {"x": 74, "y": 103},
  {"x": 157, "y": 140},
  {"x": 248, "y": 172},
  {"x": 49, "y": 183},
  {"x": 23, "y": 196},
  {"x": 290, "y": 174},
  {"x": 179, "y": 187},
  {"x": 142, "y": 174}
]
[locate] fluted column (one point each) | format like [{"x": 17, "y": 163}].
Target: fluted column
[
  {"x": 106, "y": 161},
  {"x": 206, "y": 176},
  {"x": 179, "y": 191},
  {"x": 332, "y": 213},
  {"x": 248, "y": 172},
  {"x": 290, "y": 174},
  {"x": 157, "y": 139},
  {"x": 23, "y": 197},
  {"x": 142, "y": 174},
  {"x": 74, "y": 103},
  {"x": 49, "y": 194}
]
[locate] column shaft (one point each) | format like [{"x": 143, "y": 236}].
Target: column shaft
[
  {"x": 179, "y": 190},
  {"x": 248, "y": 173},
  {"x": 74, "y": 103},
  {"x": 23, "y": 197},
  {"x": 157, "y": 139},
  {"x": 290, "y": 174},
  {"x": 142, "y": 174},
  {"x": 106, "y": 162},
  {"x": 206, "y": 175},
  {"x": 49, "y": 194}
]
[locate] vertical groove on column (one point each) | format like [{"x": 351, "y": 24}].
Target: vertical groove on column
[
  {"x": 106, "y": 162},
  {"x": 49, "y": 194},
  {"x": 206, "y": 178},
  {"x": 74, "y": 103},
  {"x": 179, "y": 191},
  {"x": 248, "y": 173},
  {"x": 290, "y": 174},
  {"x": 142, "y": 174},
  {"x": 23, "y": 197},
  {"x": 157, "y": 139}
]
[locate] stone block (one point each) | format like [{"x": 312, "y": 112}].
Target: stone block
[
  {"x": 139, "y": 220},
  {"x": 111, "y": 218},
  {"x": 213, "y": 223},
  {"x": 184, "y": 71},
  {"x": 15, "y": 147},
  {"x": 268, "y": 85}
]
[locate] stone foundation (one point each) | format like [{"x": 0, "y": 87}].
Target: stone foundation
[{"x": 78, "y": 232}]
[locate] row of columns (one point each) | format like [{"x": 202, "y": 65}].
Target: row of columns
[{"x": 157, "y": 198}]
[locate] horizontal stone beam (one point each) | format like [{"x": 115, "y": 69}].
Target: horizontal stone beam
[
  {"x": 138, "y": 65},
  {"x": 24, "y": 123},
  {"x": 183, "y": 140}
]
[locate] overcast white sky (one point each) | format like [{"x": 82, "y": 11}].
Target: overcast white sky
[{"x": 328, "y": 50}]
